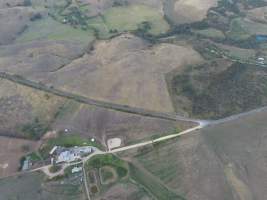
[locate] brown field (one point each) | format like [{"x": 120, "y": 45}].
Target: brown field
[
  {"x": 20, "y": 105},
  {"x": 229, "y": 160},
  {"x": 10, "y": 3},
  {"x": 38, "y": 57},
  {"x": 99, "y": 6},
  {"x": 35, "y": 186},
  {"x": 189, "y": 11},
  {"x": 11, "y": 151},
  {"x": 15, "y": 21},
  {"x": 125, "y": 70},
  {"x": 89, "y": 121},
  {"x": 258, "y": 14}
]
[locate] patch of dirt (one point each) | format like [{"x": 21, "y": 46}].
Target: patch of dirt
[{"x": 114, "y": 143}]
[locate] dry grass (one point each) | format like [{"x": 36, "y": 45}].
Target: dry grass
[
  {"x": 188, "y": 11},
  {"x": 126, "y": 71},
  {"x": 258, "y": 14},
  {"x": 21, "y": 105},
  {"x": 11, "y": 150},
  {"x": 15, "y": 21}
]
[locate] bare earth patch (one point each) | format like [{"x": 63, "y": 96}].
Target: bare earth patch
[{"x": 114, "y": 143}]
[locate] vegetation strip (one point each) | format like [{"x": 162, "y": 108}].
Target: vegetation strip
[{"x": 81, "y": 99}]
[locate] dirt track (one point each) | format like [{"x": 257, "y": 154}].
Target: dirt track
[{"x": 85, "y": 100}]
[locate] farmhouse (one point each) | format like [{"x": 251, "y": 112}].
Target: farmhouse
[{"x": 70, "y": 154}]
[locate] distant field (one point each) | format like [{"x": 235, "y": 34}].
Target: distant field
[
  {"x": 211, "y": 33},
  {"x": 49, "y": 29},
  {"x": 241, "y": 29},
  {"x": 201, "y": 90},
  {"x": 257, "y": 14},
  {"x": 181, "y": 12},
  {"x": 106, "y": 19},
  {"x": 238, "y": 53},
  {"x": 128, "y": 18},
  {"x": 13, "y": 21}
]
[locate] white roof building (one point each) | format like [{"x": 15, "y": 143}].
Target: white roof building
[
  {"x": 76, "y": 169},
  {"x": 260, "y": 59},
  {"x": 67, "y": 156}
]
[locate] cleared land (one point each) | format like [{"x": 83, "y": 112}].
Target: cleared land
[
  {"x": 229, "y": 160},
  {"x": 211, "y": 33}
]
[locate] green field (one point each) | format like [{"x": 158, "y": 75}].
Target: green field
[
  {"x": 241, "y": 29},
  {"x": 108, "y": 160},
  {"x": 106, "y": 174},
  {"x": 49, "y": 29},
  {"x": 128, "y": 18},
  {"x": 113, "y": 21},
  {"x": 238, "y": 53},
  {"x": 157, "y": 189},
  {"x": 210, "y": 33}
]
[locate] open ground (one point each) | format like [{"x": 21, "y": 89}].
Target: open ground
[{"x": 11, "y": 151}]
